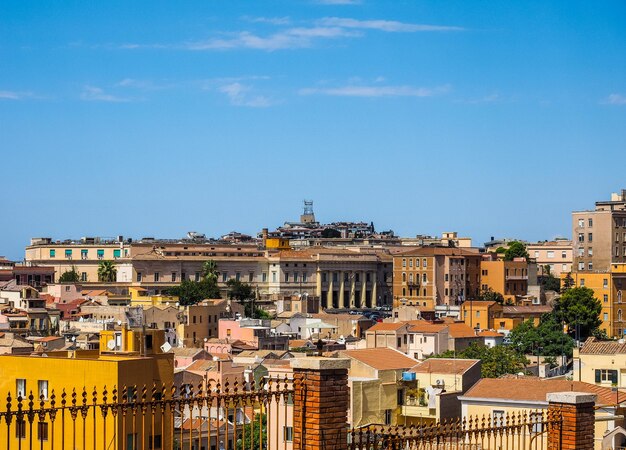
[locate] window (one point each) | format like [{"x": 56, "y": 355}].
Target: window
[
  {"x": 225, "y": 277},
  {"x": 42, "y": 388},
  {"x": 335, "y": 277},
  {"x": 424, "y": 262},
  {"x": 563, "y": 254},
  {"x": 536, "y": 253},
  {"x": 590, "y": 251},
  {"x": 68, "y": 254},
  {"x": 581, "y": 266},
  {"x": 53, "y": 253},
  {"x": 605, "y": 283},
  {"x": 237, "y": 276},
  {"x": 581, "y": 237},
  {"x": 83, "y": 276},
  {"x": 84, "y": 254},
  {"x": 550, "y": 254},
  {"x": 410, "y": 278},
  {"x": 498, "y": 417},
  {"x": 117, "y": 253},
  {"x": 417, "y": 262},
  {"x": 606, "y": 376},
  {"x": 138, "y": 277},
  {"x": 536, "y": 418},
  {"x": 387, "y": 417},
  {"x": 157, "y": 442},
  {"x": 424, "y": 278},
  {"x": 445, "y": 277},
  {"x": 581, "y": 251},
  {"x": 288, "y": 434},
  {"x": 563, "y": 267},
  {"x": 590, "y": 237},
  {"x": 304, "y": 277},
  {"x": 590, "y": 222},
  {"x": 403, "y": 262},
  {"x": 264, "y": 277},
  {"x": 410, "y": 263},
  {"x": 250, "y": 277},
  {"x": 590, "y": 266},
  {"x": 273, "y": 277},
  {"x": 42, "y": 431},
  {"x": 582, "y": 282},
  {"x": 173, "y": 277},
  {"x": 619, "y": 315},
  {"x": 606, "y": 317},
  {"x": 605, "y": 298},
  {"x": 286, "y": 277},
  {"x": 619, "y": 296},
  {"x": 20, "y": 387},
  {"x": 157, "y": 277},
  {"x": 100, "y": 254},
  {"x": 581, "y": 223},
  {"x": 404, "y": 277},
  {"x": 399, "y": 342}
]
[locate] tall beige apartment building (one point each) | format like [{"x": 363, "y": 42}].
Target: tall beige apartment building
[
  {"x": 599, "y": 242},
  {"x": 556, "y": 255}
]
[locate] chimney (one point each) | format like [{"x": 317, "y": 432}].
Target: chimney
[{"x": 264, "y": 233}]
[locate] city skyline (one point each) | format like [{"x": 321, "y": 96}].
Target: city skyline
[{"x": 150, "y": 119}]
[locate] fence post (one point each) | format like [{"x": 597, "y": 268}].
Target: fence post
[
  {"x": 321, "y": 401},
  {"x": 577, "y": 430}
]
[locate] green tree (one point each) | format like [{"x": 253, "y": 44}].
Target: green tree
[
  {"x": 238, "y": 290},
  {"x": 192, "y": 292},
  {"x": 547, "y": 338},
  {"x": 250, "y": 436},
  {"x": 330, "y": 233},
  {"x": 209, "y": 271},
  {"x": 489, "y": 295},
  {"x": 495, "y": 361},
  {"x": 548, "y": 281},
  {"x": 580, "y": 311},
  {"x": 516, "y": 250},
  {"x": 70, "y": 276},
  {"x": 107, "y": 272},
  {"x": 500, "y": 250},
  {"x": 568, "y": 283}
]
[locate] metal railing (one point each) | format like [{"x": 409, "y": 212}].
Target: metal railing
[
  {"x": 209, "y": 416},
  {"x": 523, "y": 430}
]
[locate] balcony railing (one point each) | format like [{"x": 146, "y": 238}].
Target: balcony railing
[{"x": 228, "y": 416}]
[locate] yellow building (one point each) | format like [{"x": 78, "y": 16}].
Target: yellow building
[
  {"x": 602, "y": 363},
  {"x": 480, "y": 314},
  {"x": 140, "y": 297},
  {"x": 129, "y": 359},
  {"x": 509, "y": 278},
  {"x": 495, "y": 398}
]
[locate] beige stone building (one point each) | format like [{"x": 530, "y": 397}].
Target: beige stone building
[
  {"x": 557, "y": 255},
  {"x": 430, "y": 276}
]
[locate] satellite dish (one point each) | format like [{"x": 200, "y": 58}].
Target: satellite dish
[
  {"x": 119, "y": 322},
  {"x": 111, "y": 344},
  {"x": 73, "y": 338},
  {"x": 165, "y": 348},
  {"x": 43, "y": 355}
]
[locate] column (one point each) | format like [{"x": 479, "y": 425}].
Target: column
[
  {"x": 341, "y": 288},
  {"x": 352, "y": 289},
  {"x": 329, "y": 302},
  {"x": 374, "y": 288},
  {"x": 320, "y": 403},
  {"x": 577, "y": 428},
  {"x": 363, "y": 288},
  {"x": 318, "y": 285}
]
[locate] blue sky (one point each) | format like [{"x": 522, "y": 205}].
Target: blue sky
[{"x": 156, "y": 118}]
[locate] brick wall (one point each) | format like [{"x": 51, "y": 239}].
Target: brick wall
[{"x": 578, "y": 421}]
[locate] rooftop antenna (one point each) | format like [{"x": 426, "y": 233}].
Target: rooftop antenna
[{"x": 308, "y": 216}]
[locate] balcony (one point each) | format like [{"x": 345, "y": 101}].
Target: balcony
[
  {"x": 516, "y": 277},
  {"x": 419, "y": 411}
]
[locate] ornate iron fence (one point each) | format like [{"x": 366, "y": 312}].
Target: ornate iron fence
[
  {"x": 237, "y": 416},
  {"x": 523, "y": 430}
]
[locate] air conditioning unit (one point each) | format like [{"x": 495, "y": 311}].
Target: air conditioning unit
[{"x": 440, "y": 382}]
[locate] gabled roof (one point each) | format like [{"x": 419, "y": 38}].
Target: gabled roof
[
  {"x": 459, "y": 330},
  {"x": 445, "y": 366},
  {"x": 592, "y": 346},
  {"x": 381, "y": 358},
  {"x": 490, "y": 333},
  {"x": 387, "y": 326},
  {"x": 536, "y": 390}
]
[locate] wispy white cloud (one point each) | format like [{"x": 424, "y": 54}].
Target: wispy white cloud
[
  {"x": 242, "y": 95},
  {"x": 270, "y": 20},
  {"x": 377, "y": 91},
  {"x": 291, "y": 38},
  {"x": 15, "y": 95},
  {"x": 615, "y": 99},
  {"x": 491, "y": 98},
  {"x": 92, "y": 93},
  {"x": 390, "y": 26}
]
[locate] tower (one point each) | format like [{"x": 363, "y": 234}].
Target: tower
[{"x": 308, "y": 216}]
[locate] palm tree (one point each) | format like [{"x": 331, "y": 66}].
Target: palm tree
[
  {"x": 209, "y": 270},
  {"x": 106, "y": 271}
]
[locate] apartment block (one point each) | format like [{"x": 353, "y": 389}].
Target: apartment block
[{"x": 556, "y": 255}]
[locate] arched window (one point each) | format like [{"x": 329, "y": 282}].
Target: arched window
[
  {"x": 619, "y": 315},
  {"x": 619, "y": 296},
  {"x": 403, "y": 276}
]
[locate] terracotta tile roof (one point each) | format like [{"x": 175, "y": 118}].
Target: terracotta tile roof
[
  {"x": 459, "y": 330},
  {"x": 536, "y": 389},
  {"x": 387, "y": 326},
  {"x": 445, "y": 365},
  {"x": 422, "y": 326},
  {"x": 437, "y": 251},
  {"x": 592, "y": 346},
  {"x": 539, "y": 309},
  {"x": 381, "y": 358}
]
